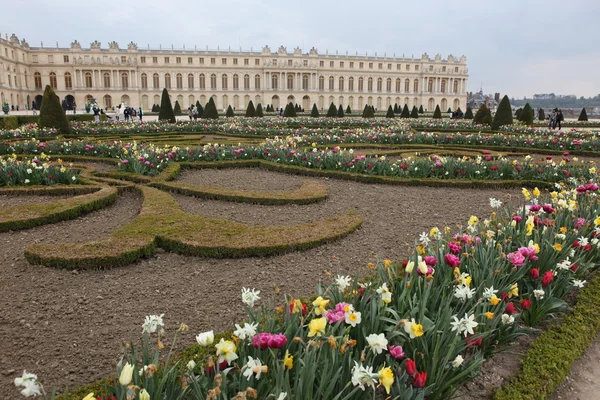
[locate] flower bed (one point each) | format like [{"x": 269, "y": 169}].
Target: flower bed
[{"x": 35, "y": 171}]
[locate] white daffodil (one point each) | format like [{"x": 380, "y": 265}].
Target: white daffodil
[
  {"x": 249, "y": 297},
  {"x": 152, "y": 323},
  {"x": 377, "y": 342},
  {"x": 363, "y": 377},
  {"x": 248, "y": 331},
  {"x": 343, "y": 282}
]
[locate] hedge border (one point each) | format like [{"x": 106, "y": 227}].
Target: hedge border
[{"x": 548, "y": 362}]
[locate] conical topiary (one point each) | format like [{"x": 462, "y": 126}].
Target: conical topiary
[
  {"x": 198, "y": 104},
  {"x": 527, "y": 115},
  {"x": 390, "y": 112},
  {"x": 405, "y": 112},
  {"x": 582, "y": 116},
  {"x": 503, "y": 114},
  {"x": 483, "y": 115},
  {"x": 414, "y": 113},
  {"x": 210, "y": 111},
  {"x": 421, "y": 109},
  {"x": 449, "y": 110},
  {"x": 396, "y": 109},
  {"x": 200, "y": 110},
  {"x": 177, "y": 108},
  {"x": 259, "y": 110},
  {"x": 315, "y": 111},
  {"x": 541, "y": 114},
  {"x": 469, "y": 113},
  {"x": 437, "y": 113},
  {"x": 332, "y": 112},
  {"x": 289, "y": 111},
  {"x": 340, "y": 112},
  {"x": 51, "y": 113},
  {"x": 348, "y": 110},
  {"x": 458, "y": 112},
  {"x": 250, "y": 110},
  {"x": 518, "y": 113},
  {"x": 166, "y": 112},
  {"x": 229, "y": 112},
  {"x": 368, "y": 112}
]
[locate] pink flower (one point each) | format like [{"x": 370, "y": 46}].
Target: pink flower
[
  {"x": 454, "y": 248},
  {"x": 337, "y": 314},
  {"x": 430, "y": 260},
  {"x": 580, "y": 223},
  {"x": 535, "y": 208},
  {"x": 269, "y": 340},
  {"x": 528, "y": 253},
  {"x": 517, "y": 259},
  {"x": 452, "y": 260},
  {"x": 397, "y": 352},
  {"x": 548, "y": 209},
  {"x": 517, "y": 218}
]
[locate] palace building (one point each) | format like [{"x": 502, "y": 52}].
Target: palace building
[{"x": 136, "y": 77}]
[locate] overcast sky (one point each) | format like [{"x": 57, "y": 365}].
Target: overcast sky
[{"x": 515, "y": 47}]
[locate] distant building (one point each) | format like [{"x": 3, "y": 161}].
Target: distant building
[{"x": 475, "y": 100}]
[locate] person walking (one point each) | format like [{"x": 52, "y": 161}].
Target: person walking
[
  {"x": 140, "y": 113},
  {"x": 190, "y": 112},
  {"x": 552, "y": 120},
  {"x": 559, "y": 118},
  {"x": 96, "y": 114},
  {"x": 74, "y": 108},
  {"x": 195, "y": 113}
]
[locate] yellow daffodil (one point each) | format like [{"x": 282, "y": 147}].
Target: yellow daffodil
[
  {"x": 529, "y": 225},
  {"x": 563, "y": 229},
  {"x": 226, "y": 351},
  {"x": 386, "y": 378},
  {"x": 387, "y": 263},
  {"x": 288, "y": 360},
  {"x": 558, "y": 247},
  {"x": 421, "y": 249},
  {"x": 526, "y": 194},
  {"x": 473, "y": 220},
  {"x": 489, "y": 315},
  {"x": 514, "y": 290},
  {"x": 433, "y": 232},
  {"x": 597, "y": 221},
  {"x": 536, "y": 192},
  {"x": 319, "y": 305},
  {"x": 592, "y": 170},
  {"x": 317, "y": 327},
  {"x": 370, "y": 265},
  {"x": 417, "y": 329},
  {"x": 494, "y": 300}
]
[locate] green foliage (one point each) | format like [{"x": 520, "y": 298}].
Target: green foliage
[
  {"x": 315, "y": 111},
  {"x": 390, "y": 112},
  {"x": 166, "y": 110},
  {"x": 469, "y": 113},
  {"x": 527, "y": 115},
  {"x": 348, "y": 110},
  {"x": 289, "y": 111},
  {"x": 51, "y": 112},
  {"x": 405, "y": 112},
  {"x": 332, "y": 112},
  {"x": 177, "y": 108},
  {"x": 200, "y": 110},
  {"x": 541, "y": 114},
  {"x": 449, "y": 110},
  {"x": 437, "y": 113},
  {"x": 368, "y": 112},
  {"x": 482, "y": 116},
  {"x": 199, "y": 106},
  {"x": 583, "y": 116},
  {"x": 250, "y": 111},
  {"x": 459, "y": 111},
  {"x": 396, "y": 109},
  {"x": 414, "y": 113},
  {"x": 503, "y": 114},
  {"x": 259, "y": 111},
  {"x": 229, "y": 112},
  {"x": 210, "y": 111},
  {"x": 518, "y": 113},
  {"x": 421, "y": 111},
  {"x": 10, "y": 122},
  {"x": 340, "y": 112}
]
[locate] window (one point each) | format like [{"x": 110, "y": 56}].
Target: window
[
  {"x": 444, "y": 68},
  {"x": 416, "y": 67},
  {"x": 257, "y": 61},
  {"x": 321, "y": 83},
  {"x": 144, "y": 81},
  {"x": 223, "y": 61},
  {"x": 246, "y": 61},
  {"x": 407, "y": 85},
  {"x": 202, "y": 82},
  {"x": 398, "y": 67},
  {"x": 321, "y": 63},
  {"x": 235, "y": 61},
  {"x": 191, "y": 81},
  {"x": 370, "y": 65},
  {"x": 305, "y": 82},
  {"x": 37, "y": 80},
  {"x": 350, "y": 84},
  {"x": 88, "y": 79},
  {"x": 66, "y": 59},
  {"x": 351, "y": 64},
  {"x": 106, "y": 79},
  {"x": 142, "y": 60},
  {"x": 256, "y": 81},
  {"x": 236, "y": 80},
  {"x": 305, "y": 63},
  {"x": 154, "y": 60},
  {"x": 430, "y": 68},
  {"x": 124, "y": 80},
  {"x": 35, "y": 58},
  {"x": 331, "y": 64},
  {"x": 389, "y": 66},
  {"x": 290, "y": 63},
  {"x": 247, "y": 82},
  {"x": 51, "y": 59},
  {"x": 224, "y": 81},
  {"x": 370, "y": 85},
  {"x": 53, "y": 80},
  {"x": 155, "y": 81},
  {"x": 178, "y": 60},
  {"x": 213, "y": 61},
  {"x": 408, "y": 67},
  {"x": 379, "y": 84},
  {"x": 456, "y": 69},
  {"x": 443, "y": 88},
  {"x": 68, "y": 81},
  {"x": 341, "y": 84},
  {"x": 123, "y": 59},
  {"x": 331, "y": 83},
  {"x": 455, "y": 86},
  {"x": 290, "y": 81},
  {"x": 398, "y": 85},
  {"x": 179, "y": 81},
  {"x": 201, "y": 60},
  {"x": 341, "y": 64},
  {"x": 430, "y": 85},
  {"x": 190, "y": 60},
  {"x": 274, "y": 81},
  {"x": 380, "y": 66},
  {"x": 168, "y": 81},
  {"x": 361, "y": 86},
  {"x": 213, "y": 81},
  {"x": 166, "y": 60}
]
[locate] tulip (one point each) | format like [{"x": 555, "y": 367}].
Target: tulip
[
  {"x": 548, "y": 277},
  {"x": 126, "y": 374},
  {"x": 420, "y": 380},
  {"x": 144, "y": 395},
  {"x": 525, "y": 304},
  {"x": 535, "y": 273},
  {"x": 510, "y": 309},
  {"x": 411, "y": 367},
  {"x": 206, "y": 338},
  {"x": 397, "y": 352}
]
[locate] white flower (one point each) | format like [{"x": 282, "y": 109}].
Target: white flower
[
  {"x": 152, "y": 322},
  {"x": 377, "y": 343},
  {"x": 29, "y": 170},
  {"x": 578, "y": 283},
  {"x": 507, "y": 319},
  {"x": 74, "y": 178},
  {"x": 408, "y": 327},
  {"x": 282, "y": 396},
  {"x": 249, "y": 297},
  {"x": 495, "y": 203},
  {"x": 386, "y": 295},
  {"x": 343, "y": 282},
  {"x": 248, "y": 331},
  {"x": 463, "y": 292},
  {"x": 424, "y": 239},
  {"x": 27, "y": 181},
  {"x": 539, "y": 294},
  {"x": 564, "y": 265},
  {"x": 191, "y": 365},
  {"x": 362, "y": 376},
  {"x": 30, "y": 384},
  {"x": 583, "y": 241},
  {"x": 464, "y": 325},
  {"x": 457, "y": 361},
  {"x": 253, "y": 366},
  {"x": 489, "y": 292},
  {"x": 352, "y": 318},
  {"x": 206, "y": 338},
  {"x": 560, "y": 236}
]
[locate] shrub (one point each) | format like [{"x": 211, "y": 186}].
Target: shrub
[
  {"x": 396, "y": 109},
  {"x": 200, "y": 110},
  {"x": 541, "y": 114},
  {"x": 469, "y": 113},
  {"x": 348, "y": 110},
  {"x": 315, "y": 111},
  {"x": 421, "y": 109},
  {"x": 414, "y": 113},
  {"x": 229, "y": 112},
  {"x": 483, "y": 115},
  {"x": 210, "y": 111},
  {"x": 390, "y": 112},
  {"x": 368, "y": 112},
  {"x": 518, "y": 113},
  {"x": 405, "y": 112},
  {"x": 583, "y": 116},
  {"x": 527, "y": 115},
  {"x": 449, "y": 110},
  {"x": 166, "y": 110},
  {"x": 340, "y": 112},
  {"x": 332, "y": 112},
  {"x": 503, "y": 114},
  {"x": 51, "y": 112},
  {"x": 177, "y": 108},
  {"x": 259, "y": 110},
  {"x": 250, "y": 111},
  {"x": 10, "y": 122},
  {"x": 289, "y": 111},
  {"x": 437, "y": 113}
]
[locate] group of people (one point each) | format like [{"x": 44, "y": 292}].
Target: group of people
[
  {"x": 555, "y": 117},
  {"x": 129, "y": 113},
  {"x": 193, "y": 112}
]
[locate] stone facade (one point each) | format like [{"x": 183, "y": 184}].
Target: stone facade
[{"x": 137, "y": 76}]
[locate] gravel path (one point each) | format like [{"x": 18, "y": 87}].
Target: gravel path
[
  {"x": 68, "y": 326},
  {"x": 13, "y": 201}
]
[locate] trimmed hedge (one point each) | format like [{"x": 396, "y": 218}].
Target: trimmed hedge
[
  {"x": 548, "y": 362},
  {"x": 34, "y": 119}
]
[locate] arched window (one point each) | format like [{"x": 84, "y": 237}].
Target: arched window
[
  {"x": 443, "y": 88},
  {"x": 155, "y": 81},
  {"x": 407, "y": 85},
  {"x": 398, "y": 85},
  {"x": 37, "y": 80},
  {"x": 274, "y": 81},
  {"x": 213, "y": 81},
  {"x": 379, "y": 84},
  {"x": 290, "y": 81},
  {"x": 388, "y": 85},
  {"x": 179, "y": 81},
  {"x": 370, "y": 85},
  {"x": 53, "y": 82},
  {"x": 168, "y": 81},
  {"x": 430, "y": 85},
  {"x": 361, "y": 84},
  {"x": 107, "y": 101},
  {"x": 124, "y": 80},
  {"x": 247, "y": 83},
  {"x": 88, "y": 79},
  {"x": 68, "y": 81},
  {"x": 202, "y": 81},
  {"x": 224, "y": 81},
  {"x": 145, "y": 82},
  {"x": 455, "y": 86},
  {"x": 416, "y": 86},
  {"x": 341, "y": 84},
  {"x": 305, "y": 82},
  {"x": 321, "y": 83},
  {"x": 351, "y": 84},
  {"x": 236, "y": 81},
  {"x": 257, "y": 81},
  {"x": 191, "y": 81},
  {"x": 106, "y": 79},
  {"x": 331, "y": 83}
]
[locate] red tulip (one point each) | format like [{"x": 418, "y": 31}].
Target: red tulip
[
  {"x": 548, "y": 277},
  {"x": 410, "y": 367},
  {"x": 510, "y": 308},
  {"x": 535, "y": 273},
  {"x": 420, "y": 380},
  {"x": 525, "y": 304}
]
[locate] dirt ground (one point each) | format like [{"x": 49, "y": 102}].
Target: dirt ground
[
  {"x": 67, "y": 327},
  {"x": 583, "y": 382}
]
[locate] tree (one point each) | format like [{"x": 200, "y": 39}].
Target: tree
[
  {"x": 229, "y": 112},
  {"x": 421, "y": 109},
  {"x": 200, "y": 110},
  {"x": 259, "y": 110},
  {"x": 405, "y": 112},
  {"x": 166, "y": 109},
  {"x": 503, "y": 114},
  {"x": 340, "y": 112},
  {"x": 518, "y": 113},
  {"x": 390, "y": 112},
  {"x": 177, "y": 108},
  {"x": 437, "y": 113},
  {"x": 482, "y": 116},
  {"x": 459, "y": 111},
  {"x": 315, "y": 111},
  {"x": 52, "y": 114},
  {"x": 414, "y": 113},
  {"x": 348, "y": 110},
  {"x": 449, "y": 110},
  {"x": 210, "y": 111},
  {"x": 289, "y": 111},
  {"x": 541, "y": 114},
  {"x": 469, "y": 113},
  {"x": 527, "y": 115},
  {"x": 332, "y": 112},
  {"x": 198, "y": 105},
  {"x": 582, "y": 117},
  {"x": 396, "y": 109},
  {"x": 250, "y": 111},
  {"x": 368, "y": 112}
]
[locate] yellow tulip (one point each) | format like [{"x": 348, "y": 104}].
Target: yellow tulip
[
  {"x": 144, "y": 395},
  {"x": 89, "y": 397},
  {"x": 126, "y": 374}
]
